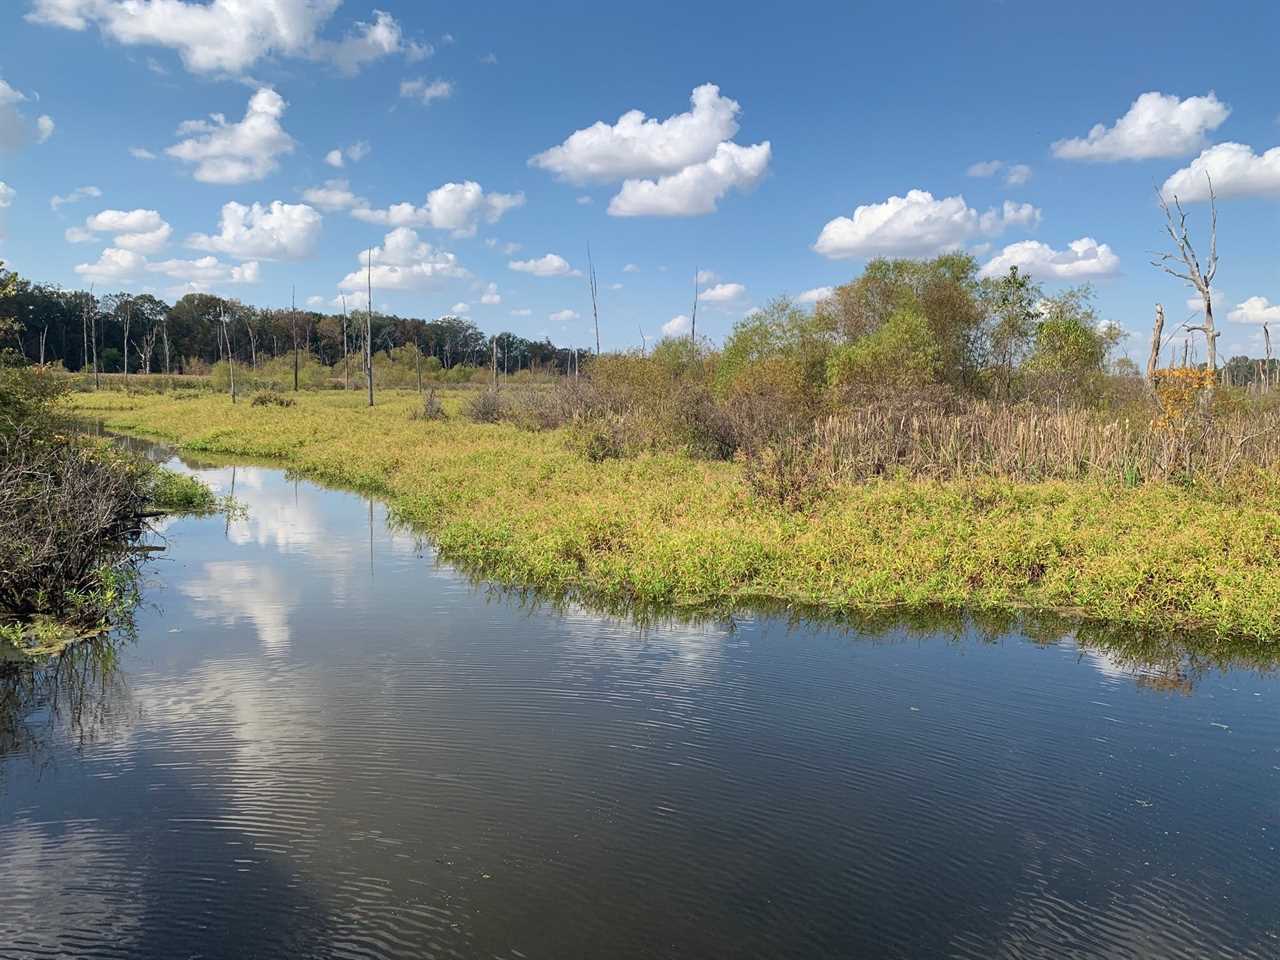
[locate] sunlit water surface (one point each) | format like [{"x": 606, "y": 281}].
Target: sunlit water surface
[{"x": 323, "y": 743}]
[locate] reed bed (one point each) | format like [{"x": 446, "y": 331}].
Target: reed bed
[{"x": 1028, "y": 443}]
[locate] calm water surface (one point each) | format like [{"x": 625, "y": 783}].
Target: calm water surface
[{"x": 322, "y": 743}]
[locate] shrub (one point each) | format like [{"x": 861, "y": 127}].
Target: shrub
[
  {"x": 898, "y": 357},
  {"x": 431, "y": 409},
  {"x": 792, "y": 472},
  {"x": 181, "y": 493},
  {"x": 271, "y": 398},
  {"x": 600, "y": 439},
  {"x": 485, "y": 407}
]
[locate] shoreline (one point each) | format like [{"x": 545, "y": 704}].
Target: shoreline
[{"x": 520, "y": 509}]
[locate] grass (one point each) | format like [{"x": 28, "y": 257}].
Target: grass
[{"x": 523, "y": 508}]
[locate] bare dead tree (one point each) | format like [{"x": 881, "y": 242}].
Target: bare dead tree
[
  {"x": 346, "y": 354},
  {"x": 84, "y": 328},
  {"x": 495, "y": 363},
  {"x": 1266, "y": 339},
  {"x": 93, "y": 335},
  {"x": 1157, "y": 333},
  {"x": 164, "y": 336},
  {"x": 145, "y": 349},
  {"x": 128, "y": 314},
  {"x": 293, "y": 332},
  {"x": 693, "y": 314},
  {"x": 643, "y": 341},
  {"x": 253, "y": 339},
  {"x": 368, "y": 329},
  {"x": 1184, "y": 264},
  {"x": 231, "y": 360},
  {"x": 595, "y": 311}
]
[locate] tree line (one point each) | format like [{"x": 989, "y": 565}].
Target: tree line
[{"x": 139, "y": 333}]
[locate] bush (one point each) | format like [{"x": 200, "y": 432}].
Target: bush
[
  {"x": 485, "y": 407},
  {"x": 793, "y": 472},
  {"x": 600, "y": 439},
  {"x": 67, "y": 513},
  {"x": 271, "y": 398},
  {"x": 181, "y": 493},
  {"x": 431, "y": 409}
]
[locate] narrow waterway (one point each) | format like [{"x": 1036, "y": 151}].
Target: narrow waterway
[{"x": 320, "y": 742}]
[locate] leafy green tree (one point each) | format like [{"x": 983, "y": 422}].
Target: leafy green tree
[
  {"x": 1012, "y": 313},
  {"x": 1069, "y": 357},
  {"x": 901, "y": 356},
  {"x": 944, "y": 291},
  {"x": 781, "y": 334}
]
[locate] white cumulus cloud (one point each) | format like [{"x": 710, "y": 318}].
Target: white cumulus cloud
[
  {"x": 697, "y": 188},
  {"x": 917, "y": 225},
  {"x": 366, "y": 43},
  {"x": 491, "y": 297},
  {"x": 1017, "y": 175},
  {"x": 113, "y": 265},
  {"x": 230, "y": 36},
  {"x": 141, "y": 231},
  {"x": 14, "y": 129},
  {"x": 426, "y": 91},
  {"x": 240, "y": 152},
  {"x": 1156, "y": 125},
  {"x": 75, "y": 196},
  {"x": 403, "y": 262},
  {"x": 458, "y": 207},
  {"x": 1255, "y": 310},
  {"x": 816, "y": 294},
  {"x": 1236, "y": 172},
  {"x": 640, "y": 146},
  {"x": 723, "y": 292},
  {"x": 680, "y": 166},
  {"x": 338, "y": 156},
  {"x": 206, "y": 271},
  {"x": 1084, "y": 259},
  {"x": 280, "y": 231},
  {"x": 563, "y": 316},
  {"x": 678, "y": 326},
  {"x": 7, "y": 193},
  {"x": 550, "y": 265},
  {"x": 334, "y": 195}
]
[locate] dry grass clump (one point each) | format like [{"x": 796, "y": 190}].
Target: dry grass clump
[{"x": 431, "y": 409}]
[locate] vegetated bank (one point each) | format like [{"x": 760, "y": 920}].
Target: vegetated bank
[
  {"x": 573, "y": 508},
  {"x": 921, "y": 435},
  {"x": 72, "y": 511}
]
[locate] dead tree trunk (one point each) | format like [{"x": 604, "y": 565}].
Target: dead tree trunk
[
  {"x": 1266, "y": 339},
  {"x": 1157, "y": 334},
  {"x": 128, "y": 312},
  {"x": 693, "y": 314},
  {"x": 293, "y": 334},
  {"x": 1189, "y": 268},
  {"x": 595, "y": 312},
  {"x": 368, "y": 329},
  {"x": 346, "y": 353}
]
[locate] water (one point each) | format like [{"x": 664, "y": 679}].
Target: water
[{"x": 323, "y": 743}]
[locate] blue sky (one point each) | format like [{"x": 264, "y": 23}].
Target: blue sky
[{"x": 764, "y": 128}]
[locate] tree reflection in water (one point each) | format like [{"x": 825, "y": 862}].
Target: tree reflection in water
[{"x": 73, "y": 699}]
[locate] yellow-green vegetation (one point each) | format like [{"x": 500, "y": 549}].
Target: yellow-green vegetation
[{"x": 524, "y": 507}]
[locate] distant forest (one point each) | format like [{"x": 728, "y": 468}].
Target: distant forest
[{"x": 152, "y": 336}]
